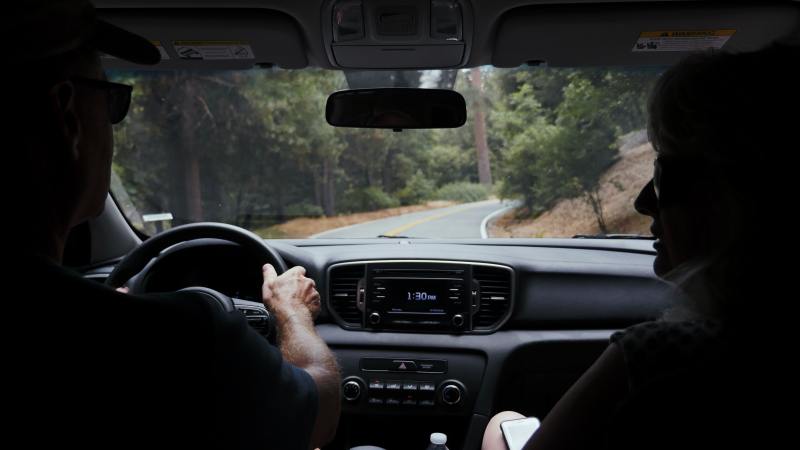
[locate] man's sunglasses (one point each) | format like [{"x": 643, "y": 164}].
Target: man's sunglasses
[{"x": 118, "y": 96}]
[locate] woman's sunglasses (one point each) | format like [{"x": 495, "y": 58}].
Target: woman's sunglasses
[{"x": 678, "y": 177}]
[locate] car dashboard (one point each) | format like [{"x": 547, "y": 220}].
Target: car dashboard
[{"x": 436, "y": 336}]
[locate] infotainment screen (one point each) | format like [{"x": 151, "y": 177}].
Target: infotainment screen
[{"x": 416, "y": 295}]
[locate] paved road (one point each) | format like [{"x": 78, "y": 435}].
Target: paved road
[{"x": 453, "y": 222}]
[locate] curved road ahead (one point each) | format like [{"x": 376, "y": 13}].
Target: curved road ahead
[{"x": 453, "y": 222}]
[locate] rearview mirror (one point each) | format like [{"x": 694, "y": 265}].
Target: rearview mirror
[{"x": 396, "y": 108}]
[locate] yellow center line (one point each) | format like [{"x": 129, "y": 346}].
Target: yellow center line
[{"x": 410, "y": 225}]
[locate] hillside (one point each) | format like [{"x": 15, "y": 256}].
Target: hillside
[{"x": 620, "y": 186}]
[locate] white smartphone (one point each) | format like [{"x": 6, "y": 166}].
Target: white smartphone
[{"x": 517, "y": 432}]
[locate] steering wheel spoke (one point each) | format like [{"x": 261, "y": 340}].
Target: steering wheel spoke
[{"x": 257, "y": 315}]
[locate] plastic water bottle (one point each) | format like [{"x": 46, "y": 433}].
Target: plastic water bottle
[{"x": 437, "y": 442}]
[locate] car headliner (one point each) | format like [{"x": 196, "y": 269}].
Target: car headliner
[{"x": 504, "y": 33}]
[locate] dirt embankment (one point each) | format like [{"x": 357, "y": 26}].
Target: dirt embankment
[
  {"x": 304, "y": 227},
  {"x": 619, "y": 187}
]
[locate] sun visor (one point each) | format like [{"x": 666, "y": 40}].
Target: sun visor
[
  {"x": 600, "y": 35},
  {"x": 213, "y": 39}
]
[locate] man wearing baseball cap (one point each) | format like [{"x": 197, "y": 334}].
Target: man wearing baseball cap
[{"x": 91, "y": 367}]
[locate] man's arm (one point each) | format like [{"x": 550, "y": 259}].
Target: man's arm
[{"x": 295, "y": 302}]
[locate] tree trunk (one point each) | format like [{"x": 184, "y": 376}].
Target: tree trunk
[
  {"x": 387, "y": 173},
  {"x": 319, "y": 189},
  {"x": 191, "y": 173},
  {"x": 327, "y": 188},
  {"x": 481, "y": 144},
  {"x": 596, "y": 203}
]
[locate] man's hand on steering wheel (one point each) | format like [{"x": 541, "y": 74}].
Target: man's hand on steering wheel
[{"x": 290, "y": 294}]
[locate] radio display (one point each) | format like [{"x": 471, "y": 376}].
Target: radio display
[{"x": 416, "y": 295}]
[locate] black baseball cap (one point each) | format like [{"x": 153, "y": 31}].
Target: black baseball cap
[{"x": 41, "y": 29}]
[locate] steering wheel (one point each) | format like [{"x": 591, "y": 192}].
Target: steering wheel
[{"x": 256, "y": 313}]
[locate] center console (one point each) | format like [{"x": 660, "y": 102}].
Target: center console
[
  {"x": 409, "y": 382},
  {"x": 417, "y": 390},
  {"x": 403, "y": 297},
  {"x": 427, "y": 296}
]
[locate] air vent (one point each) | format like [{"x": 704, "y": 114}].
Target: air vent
[
  {"x": 494, "y": 286},
  {"x": 343, "y": 284}
]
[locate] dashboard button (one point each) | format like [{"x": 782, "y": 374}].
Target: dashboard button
[
  {"x": 375, "y": 364},
  {"x": 374, "y": 318},
  {"x": 404, "y": 366},
  {"x": 393, "y": 385},
  {"x": 432, "y": 366},
  {"x": 427, "y": 387},
  {"x": 426, "y": 403},
  {"x": 351, "y": 390},
  {"x": 375, "y": 401},
  {"x": 376, "y": 385},
  {"x": 393, "y": 401},
  {"x": 410, "y": 386},
  {"x": 409, "y": 402},
  {"x": 451, "y": 394}
]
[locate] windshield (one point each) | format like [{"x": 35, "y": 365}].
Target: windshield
[{"x": 545, "y": 152}]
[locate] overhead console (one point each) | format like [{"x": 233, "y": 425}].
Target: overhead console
[
  {"x": 396, "y": 34},
  {"x": 421, "y": 295}
]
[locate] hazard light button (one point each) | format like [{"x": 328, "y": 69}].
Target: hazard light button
[{"x": 399, "y": 365}]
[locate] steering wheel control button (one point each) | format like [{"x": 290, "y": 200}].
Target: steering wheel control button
[
  {"x": 374, "y": 318},
  {"x": 410, "y": 386},
  {"x": 451, "y": 394},
  {"x": 404, "y": 366},
  {"x": 351, "y": 391}
]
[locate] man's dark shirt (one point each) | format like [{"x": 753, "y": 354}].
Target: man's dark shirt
[{"x": 96, "y": 368}]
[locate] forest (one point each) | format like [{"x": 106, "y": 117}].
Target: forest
[{"x": 252, "y": 148}]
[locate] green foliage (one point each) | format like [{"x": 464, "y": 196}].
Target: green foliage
[
  {"x": 418, "y": 189},
  {"x": 304, "y": 209},
  {"x": 462, "y": 192},
  {"x": 253, "y": 148},
  {"x": 558, "y": 127},
  {"x": 447, "y": 163},
  {"x": 368, "y": 199}
]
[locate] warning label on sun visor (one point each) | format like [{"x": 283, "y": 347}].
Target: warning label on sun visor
[
  {"x": 682, "y": 41},
  {"x": 213, "y": 50}
]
